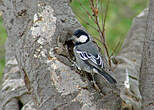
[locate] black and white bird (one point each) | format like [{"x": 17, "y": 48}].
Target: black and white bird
[{"x": 87, "y": 55}]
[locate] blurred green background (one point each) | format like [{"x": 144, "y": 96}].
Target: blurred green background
[
  {"x": 3, "y": 36},
  {"x": 118, "y": 22},
  {"x": 119, "y": 18}
]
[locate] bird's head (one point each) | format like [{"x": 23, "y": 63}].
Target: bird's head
[{"x": 80, "y": 37}]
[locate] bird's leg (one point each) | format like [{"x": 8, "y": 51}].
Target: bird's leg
[
  {"x": 94, "y": 82},
  {"x": 76, "y": 65}
]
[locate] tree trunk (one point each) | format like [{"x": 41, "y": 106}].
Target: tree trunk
[
  {"x": 147, "y": 68},
  {"x": 34, "y": 29},
  {"x": 36, "y": 77}
]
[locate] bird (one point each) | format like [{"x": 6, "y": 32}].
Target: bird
[{"x": 88, "y": 57}]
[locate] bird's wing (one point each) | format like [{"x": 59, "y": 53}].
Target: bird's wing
[
  {"x": 95, "y": 59},
  {"x": 97, "y": 62}
]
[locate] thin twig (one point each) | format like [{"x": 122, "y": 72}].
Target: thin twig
[
  {"x": 98, "y": 39},
  {"x": 95, "y": 18},
  {"x": 96, "y": 4},
  {"x": 88, "y": 23},
  {"x": 102, "y": 34},
  {"x": 87, "y": 12},
  {"x": 116, "y": 47},
  {"x": 102, "y": 12},
  {"x": 106, "y": 11}
]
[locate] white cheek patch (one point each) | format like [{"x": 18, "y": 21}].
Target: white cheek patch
[{"x": 82, "y": 38}]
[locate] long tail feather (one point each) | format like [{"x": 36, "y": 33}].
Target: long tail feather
[{"x": 107, "y": 76}]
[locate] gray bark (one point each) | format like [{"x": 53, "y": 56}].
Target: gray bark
[
  {"x": 38, "y": 78},
  {"x": 34, "y": 29},
  {"x": 129, "y": 63},
  {"x": 147, "y": 68}
]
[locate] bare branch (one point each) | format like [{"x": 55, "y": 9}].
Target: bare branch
[
  {"x": 95, "y": 18},
  {"x": 88, "y": 23},
  {"x": 87, "y": 12}
]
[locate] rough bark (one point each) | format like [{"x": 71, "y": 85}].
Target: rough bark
[
  {"x": 34, "y": 29},
  {"x": 37, "y": 78},
  {"x": 13, "y": 94},
  {"x": 147, "y": 68}
]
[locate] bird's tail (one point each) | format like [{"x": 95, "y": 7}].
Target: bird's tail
[{"x": 107, "y": 76}]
